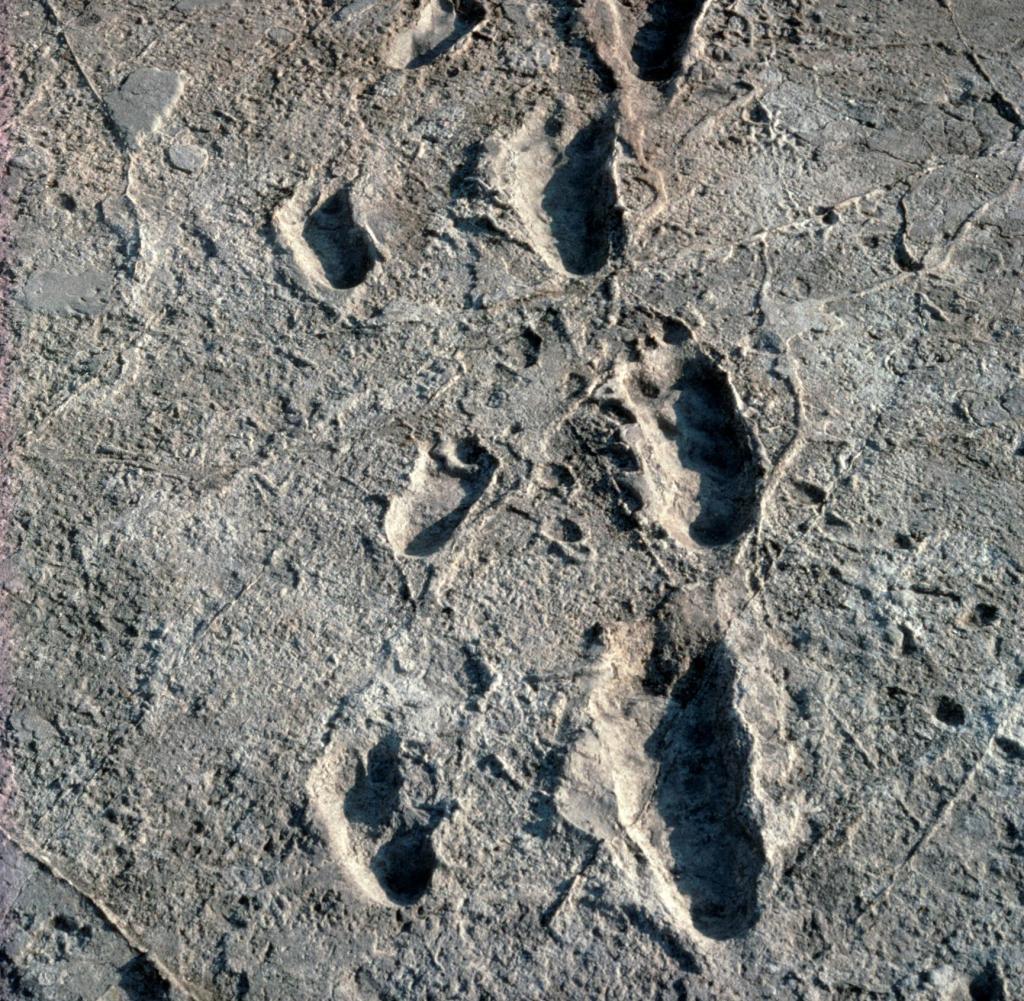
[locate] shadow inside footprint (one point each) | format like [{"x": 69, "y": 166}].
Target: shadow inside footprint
[
  {"x": 472, "y": 470},
  {"x": 339, "y": 243},
  {"x": 451, "y": 21},
  {"x": 373, "y": 798},
  {"x": 703, "y": 761},
  {"x": 401, "y": 855},
  {"x": 658, "y": 44},
  {"x": 404, "y": 866},
  {"x": 580, "y": 200},
  {"x": 714, "y": 442},
  {"x": 140, "y": 980}
]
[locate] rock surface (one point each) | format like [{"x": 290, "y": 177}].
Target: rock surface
[{"x": 515, "y": 500}]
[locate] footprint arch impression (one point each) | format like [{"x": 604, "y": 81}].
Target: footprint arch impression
[
  {"x": 562, "y": 185},
  {"x": 446, "y": 481},
  {"x": 700, "y": 475},
  {"x": 378, "y": 811},
  {"x": 439, "y": 26},
  {"x": 663, "y": 37}
]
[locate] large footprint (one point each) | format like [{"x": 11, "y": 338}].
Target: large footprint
[
  {"x": 699, "y": 475},
  {"x": 446, "y": 481},
  {"x": 558, "y": 173},
  {"x": 661, "y": 40},
  {"x": 662, "y": 769}
]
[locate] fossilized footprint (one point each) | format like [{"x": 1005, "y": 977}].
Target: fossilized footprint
[
  {"x": 328, "y": 239},
  {"x": 378, "y": 811},
  {"x": 662, "y": 37},
  {"x": 439, "y": 26},
  {"x": 559, "y": 177},
  {"x": 338, "y": 242},
  {"x": 446, "y": 481},
  {"x": 662, "y": 769},
  {"x": 699, "y": 475}
]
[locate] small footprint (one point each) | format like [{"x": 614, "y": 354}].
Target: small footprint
[
  {"x": 678, "y": 415},
  {"x": 330, "y": 248},
  {"x": 381, "y": 829},
  {"x": 446, "y": 481},
  {"x": 439, "y": 25},
  {"x": 339, "y": 244}
]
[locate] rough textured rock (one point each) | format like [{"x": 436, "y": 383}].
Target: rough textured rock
[{"x": 515, "y": 500}]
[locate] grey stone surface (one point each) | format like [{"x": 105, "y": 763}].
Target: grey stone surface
[
  {"x": 186, "y": 157},
  {"x": 54, "y": 292},
  {"x": 537, "y": 515},
  {"x": 140, "y": 105}
]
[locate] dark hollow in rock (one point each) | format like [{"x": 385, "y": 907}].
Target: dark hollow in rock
[
  {"x": 140, "y": 980},
  {"x": 703, "y": 756},
  {"x": 714, "y": 442},
  {"x": 987, "y": 986},
  {"x": 658, "y": 45},
  {"x": 1013, "y": 749},
  {"x": 581, "y": 201},
  {"x": 618, "y": 411},
  {"x": 404, "y": 866},
  {"x": 476, "y": 675},
  {"x": 532, "y": 344},
  {"x": 340, "y": 244},
  {"x": 950, "y": 712},
  {"x": 373, "y": 798}
]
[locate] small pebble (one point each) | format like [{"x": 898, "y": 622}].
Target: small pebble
[
  {"x": 281, "y": 36},
  {"x": 190, "y": 159},
  {"x": 31, "y": 159}
]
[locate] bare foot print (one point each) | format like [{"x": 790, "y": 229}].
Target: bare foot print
[{"x": 446, "y": 481}]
